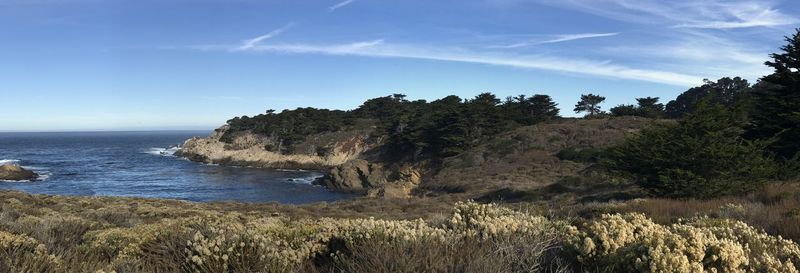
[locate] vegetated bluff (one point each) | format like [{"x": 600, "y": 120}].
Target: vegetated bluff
[{"x": 394, "y": 147}]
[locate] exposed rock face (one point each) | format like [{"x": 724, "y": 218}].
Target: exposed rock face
[
  {"x": 16, "y": 173},
  {"x": 373, "y": 179},
  {"x": 355, "y": 176},
  {"x": 248, "y": 149},
  {"x": 405, "y": 181}
]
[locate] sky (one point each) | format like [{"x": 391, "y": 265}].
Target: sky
[{"x": 69, "y": 65}]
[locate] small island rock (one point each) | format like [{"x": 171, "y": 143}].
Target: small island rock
[{"x": 16, "y": 173}]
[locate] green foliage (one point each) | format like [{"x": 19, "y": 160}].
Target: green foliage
[
  {"x": 703, "y": 155},
  {"x": 648, "y": 107},
  {"x": 580, "y": 155},
  {"x": 624, "y": 110},
  {"x": 776, "y": 99},
  {"x": 590, "y": 104},
  {"x": 290, "y": 126},
  {"x": 412, "y": 129},
  {"x": 725, "y": 91}
]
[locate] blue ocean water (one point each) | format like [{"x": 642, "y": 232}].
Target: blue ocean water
[{"x": 140, "y": 164}]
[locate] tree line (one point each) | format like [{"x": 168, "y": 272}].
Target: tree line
[{"x": 413, "y": 130}]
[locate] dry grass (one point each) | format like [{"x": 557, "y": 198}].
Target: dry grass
[
  {"x": 775, "y": 209},
  {"x": 526, "y": 158},
  {"x": 509, "y": 255}
]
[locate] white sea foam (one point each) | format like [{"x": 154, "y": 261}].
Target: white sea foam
[
  {"x": 8, "y": 161},
  {"x": 305, "y": 180},
  {"x": 162, "y": 151}
]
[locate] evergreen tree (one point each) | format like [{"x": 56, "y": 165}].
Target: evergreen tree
[
  {"x": 624, "y": 110},
  {"x": 541, "y": 108},
  {"x": 725, "y": 91},
  {"x": 776, "y": 111},
  {"x": 704, "y": 155},
  {"x": 590, "y": 104},
  {"x": 649, "y": 107}
]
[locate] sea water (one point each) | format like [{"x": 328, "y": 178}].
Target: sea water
[{"x": 142, "y": 164}]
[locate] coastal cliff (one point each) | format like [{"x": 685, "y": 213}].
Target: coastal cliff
[
  {"x": 339, "y": 154},
  {"x": 318, "y": 152}
]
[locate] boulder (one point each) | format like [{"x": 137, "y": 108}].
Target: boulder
[
  {"x": 355, "y": 176},
  {"x": 372, "y": 179},
  {"x": 16, "y": 173},
  {"x": 403, "y": 182}
]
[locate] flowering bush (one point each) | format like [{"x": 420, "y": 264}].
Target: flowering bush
[
  {"x": 633, "y": 243},
  {"x": 474, "y": 238},
  {"x": 20, "y": 253}
]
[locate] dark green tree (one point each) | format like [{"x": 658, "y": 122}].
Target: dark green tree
[
  {"x": 650, "y": 107},
  {"x": 776, "y": 101},
  {"x": 624, "y": 110},
  {"x": 703, "y": 155},
  {"x": 590, "y": 104},
  {"x": 541, "y": 108},
  {"x": 725, "y": 91}
]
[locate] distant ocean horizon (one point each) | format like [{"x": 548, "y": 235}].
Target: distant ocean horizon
[{"x": 141, "y": 164}]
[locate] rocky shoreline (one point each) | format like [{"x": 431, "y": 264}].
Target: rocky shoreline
[{"x": 344, "y": 167}]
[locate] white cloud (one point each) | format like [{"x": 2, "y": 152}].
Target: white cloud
[
  {"x": 745, "y": 15},
  {"x": 709, "y": 14},
  {"x": 558, "y": 39},
  {"x": 250, "y": 43},
  {"x": 378, "y": 48},
  {"x": 572, "y": 37},
  {"x": 340, "y": 5}
]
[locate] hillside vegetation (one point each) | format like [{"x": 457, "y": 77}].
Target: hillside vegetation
[{"x": 90, "y": 234}]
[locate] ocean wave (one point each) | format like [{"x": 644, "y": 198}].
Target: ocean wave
[
  {"x": 162, "y": 151},
  {"x": 8, "y": 161},
  {"x": 305, "y": 180}
]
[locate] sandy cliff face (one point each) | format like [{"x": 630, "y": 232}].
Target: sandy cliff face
[{"x": 247, "y": 149}]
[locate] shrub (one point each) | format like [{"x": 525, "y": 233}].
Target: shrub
[
  {"x": 580, "y": 155},
  {"x": 703, "y": 155},
  {"x": 19, "y": 253},
  {"x": 634, "y": 243}
]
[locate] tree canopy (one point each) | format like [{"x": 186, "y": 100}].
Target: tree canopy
[
  {"x": 703, "y": 155},
  {"x": 776, "y": 101},
  {"x": 590, "y": 104},
  {"x": 413, "y": 129},
  {"x": 726, "y": 91}
]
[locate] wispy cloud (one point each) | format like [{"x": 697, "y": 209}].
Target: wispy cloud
[
  {"x": 378, "y": 48},
  {"x": 250, "y": 43},
  {"x": 743, "y": 16},
  {"x": 558, "y": 39},
  {"x": 572, "y": 37},
  {"x": 709, "y": 14},
  {"x": 340, "y": 5}
]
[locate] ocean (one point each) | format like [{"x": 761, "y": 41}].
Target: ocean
[{"x": 141, "y": 164}]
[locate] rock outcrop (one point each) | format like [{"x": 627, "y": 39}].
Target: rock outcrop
[
  {"x": 252, "y": 150},
  {"x": 16, "y": 173},
  {"x": 372, "y": 179}
]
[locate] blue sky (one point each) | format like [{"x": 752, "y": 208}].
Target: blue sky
[{"x": 188, "y": 64}]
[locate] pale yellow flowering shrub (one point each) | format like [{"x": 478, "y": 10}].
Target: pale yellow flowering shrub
[
  {"x": 20, "y": 253},
  {"x": 488, "y": 220},
  {"x": 124, "y": 243},
  {"x": 634, "y": 243},
  {"x": 266, "y": 244}
]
